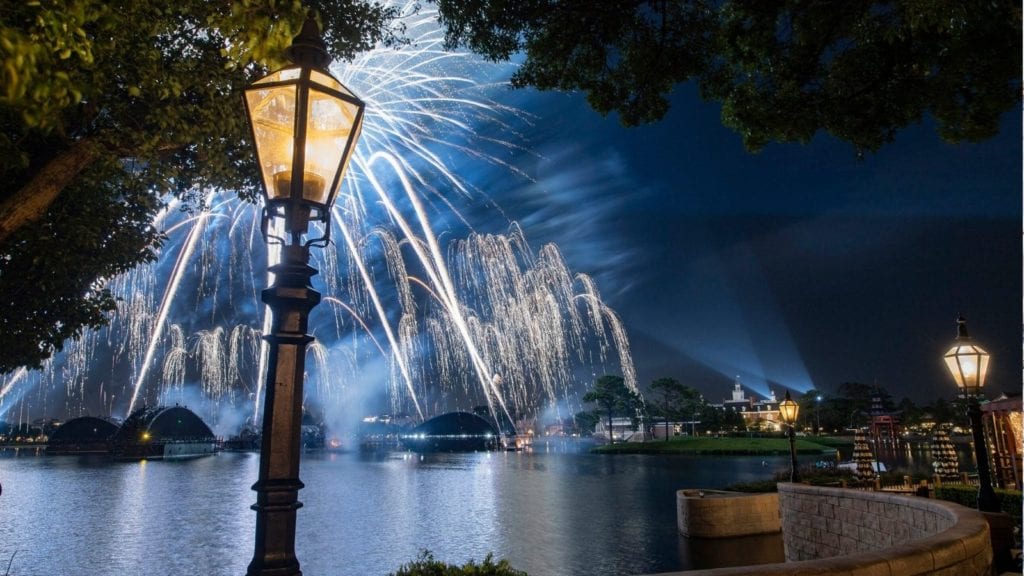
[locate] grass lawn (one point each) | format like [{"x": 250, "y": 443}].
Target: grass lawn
[
  {"x": 721, "y": 446},
  {"x": 833, "y": 441}
]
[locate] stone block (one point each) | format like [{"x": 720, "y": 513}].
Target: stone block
[
  {"x": 871, "y": 521},
  {"x": 866, "y": 537},
  {"x": 887, "y": 526},
  {"x": 876, "y": 508},
  {"x": 915, "y": 560},
  {"x": 902, "y": 533},
  {"x": 949, "y": 571},
  {"x": 981, "y": 563},
  {"x": 919, "y": 520},
  {"x": 871, "y": 565},
  {"x": 948, "y": 554},
  {"x": 848, "y": 546},
  {"x": 829, "y": 540}
]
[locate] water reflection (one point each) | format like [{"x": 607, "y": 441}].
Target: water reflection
[{"x": 549, "y": 512}]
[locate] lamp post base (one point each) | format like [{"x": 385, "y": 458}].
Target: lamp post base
[
  {"x": 987, "y": 499},
  {"x": 277, "y": 489},
  {"x": 794, "y": 469}
]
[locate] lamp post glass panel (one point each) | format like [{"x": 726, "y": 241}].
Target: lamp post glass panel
[
  {"x": 968, "y": 363},
  {"x": 789, "y": 410},
  {"x": 304, "y": 125}
]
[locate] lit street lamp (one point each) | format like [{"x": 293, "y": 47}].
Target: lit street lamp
[
  {"x": 817, "y": 415},
  {"x": 788, "y": 411},
  {"x": 304, "y": 125},
  {"x": 968, "y": 364}
]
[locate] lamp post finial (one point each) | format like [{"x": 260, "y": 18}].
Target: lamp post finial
[
  {"x": 961, "y": 328},
  {"x": 309, "y": 48}
]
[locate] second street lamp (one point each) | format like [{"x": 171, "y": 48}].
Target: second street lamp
[
  {"x": 968, "y": 363},
  {"x": 305, "y": 125},
  {"x": 788, "y": 411},
  {"x": 817, "y": 415}
]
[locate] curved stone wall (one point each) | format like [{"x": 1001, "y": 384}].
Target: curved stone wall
[
  {"x": 835, "y": 531},
  {"x": 721, "y": 514}
]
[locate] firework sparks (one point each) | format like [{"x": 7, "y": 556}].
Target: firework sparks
[{"x": 477, "y": 318}]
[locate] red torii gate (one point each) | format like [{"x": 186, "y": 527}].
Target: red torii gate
[{"x": 885, "y": 426}]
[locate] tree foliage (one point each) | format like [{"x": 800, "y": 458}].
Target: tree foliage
[
  {"x": 585, "y": 422},
  {"x": 668, "y": 393},
  {"x": 782, "y": 69},
  {"x": 613, "y": 398},
  {"x": 675, "y": 400},
  {"x": 108, "y": 106},
  {"x": 426, "y": 565},
  {"x": 122, "y": 102}
]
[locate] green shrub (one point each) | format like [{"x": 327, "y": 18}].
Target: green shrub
[
  {"x": 1009, "y": 500},
  {"x": 757, "y": 486},
  {"x": 426, "y": 565}
]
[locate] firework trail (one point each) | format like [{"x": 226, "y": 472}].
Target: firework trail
[{"x": 477, "y": 318}]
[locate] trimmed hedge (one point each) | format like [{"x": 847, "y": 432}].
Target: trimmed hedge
[
  {"x": 966, "y": 495},
  {"x": 426, "y": 565}
]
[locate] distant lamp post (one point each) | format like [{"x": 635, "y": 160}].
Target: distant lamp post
[
  {"x": 789, "y": 410},
  {"x": 968, "y": 364},
  {"x": 817, "y": 415},
  {"x": 304, "y": 125}
]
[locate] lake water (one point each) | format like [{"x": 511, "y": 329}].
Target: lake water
[{"x": 556, "y": 511}]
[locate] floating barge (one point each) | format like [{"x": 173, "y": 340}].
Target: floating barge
[
  {"x": 453, "y": 432},
  {"x": 164, "y": 432}
]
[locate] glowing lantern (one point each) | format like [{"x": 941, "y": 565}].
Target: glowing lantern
[
  {"x": 789, "y": 410},
  {"x": 967, "y": 362},
  {"x": 305, "y": 124}
]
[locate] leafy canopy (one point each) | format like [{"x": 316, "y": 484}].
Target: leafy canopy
[
  {"x": 613, "y": 397},
  {"x": 108, "y": 106},
  {"x": 783, "y": 70}
]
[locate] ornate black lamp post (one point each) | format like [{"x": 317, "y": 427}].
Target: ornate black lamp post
[
  {"x": 788, "y": 411},
  {"x": 968, "y": 364},
  {"x": 305, "y": 125}
]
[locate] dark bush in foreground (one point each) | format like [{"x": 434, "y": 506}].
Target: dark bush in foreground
[
  {"x": 426, "y": 565},
  {"x": 966, "y": 495}
]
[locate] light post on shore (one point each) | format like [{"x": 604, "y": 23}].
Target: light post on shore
[
  {"x": 788, "y": 411},
  {"x": 968, "y": 364},
  {"x": 304, "y": 125},
  {"x": 817, "y": 415}
]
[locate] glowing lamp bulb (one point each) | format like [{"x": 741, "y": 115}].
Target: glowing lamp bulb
[
  {"x": 313, "y": 185},
  {"x": 966, "y": 361},
  {"x": 789, "y": 410}
]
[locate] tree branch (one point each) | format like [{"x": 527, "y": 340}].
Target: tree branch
[{"x": 31, "y": 202}]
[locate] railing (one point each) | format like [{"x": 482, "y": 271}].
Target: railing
[{"x": 907, "y": 486}]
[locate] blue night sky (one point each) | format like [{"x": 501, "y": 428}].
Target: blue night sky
[{"x": 801, "y": 266}]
